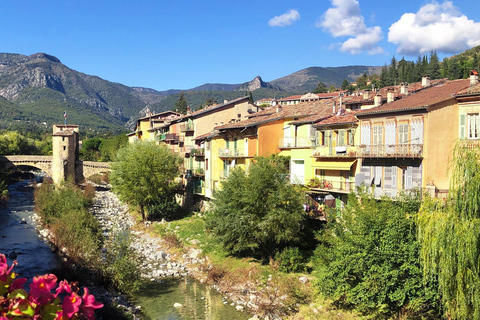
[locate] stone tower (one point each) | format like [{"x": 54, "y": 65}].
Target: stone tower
[{"x": 65, "y": 161}]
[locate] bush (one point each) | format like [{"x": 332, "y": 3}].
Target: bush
[
  {"x": 164, "y": 209},
  {"x": 290, "y": 260},
  {"x": 369, "y": 259},
  {"x": 257, "y": 212}
]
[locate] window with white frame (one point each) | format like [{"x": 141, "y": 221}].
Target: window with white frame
[
  {"x": 473, "y": 125},
  {"x": 377, "y": 135},
  {"x": 403, "y": 133}
]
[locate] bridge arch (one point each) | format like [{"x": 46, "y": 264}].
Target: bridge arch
[{"x": 43, "y": 163}]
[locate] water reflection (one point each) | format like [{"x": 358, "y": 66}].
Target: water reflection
[{"x": 199, "y": 302}]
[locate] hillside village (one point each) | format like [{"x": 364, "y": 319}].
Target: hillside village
[{"x": 393, "y": 139}]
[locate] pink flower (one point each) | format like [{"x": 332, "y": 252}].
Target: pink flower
[
  {"x": 17, "y": 284},
  {"x": 71, "y": 304},
  {"x": 89, "y": 304},
  {"x": 4, "y": 270},
  {"x": 63, "y": 287},
  {"x": 40, "y": 288}
]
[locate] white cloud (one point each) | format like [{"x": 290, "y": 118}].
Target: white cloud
[
  {"x": 344, "y": 19},
  {"x": 285, "y": 19},
  {"x": 440, "y": 27},
  {"x": 366, "y": 41}
]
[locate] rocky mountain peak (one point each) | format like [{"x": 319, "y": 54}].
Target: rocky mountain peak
[
  {"x": 44, "y": 56},
  {"x": 255, "y": 84}
]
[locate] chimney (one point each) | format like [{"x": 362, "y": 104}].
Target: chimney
[
  {"x": 225, "y": 101},
  {"x": 278, "y": 109},
  {"x": 377, "y": 100},
  {"x": 366, "y": 94},
  {"x": 425, "y": 81},
  {"x": 404, "y": 89},
  {"x": 390, "y": 95},
  {"x": 473, "y": 77}
]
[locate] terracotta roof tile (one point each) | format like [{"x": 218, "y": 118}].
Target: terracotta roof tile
[
  {"x": 429, "y": 96},
  {"x": 303, "y": 109},
  {"x": 345, "y": 118},
  {"x": 472, "y": 90}
]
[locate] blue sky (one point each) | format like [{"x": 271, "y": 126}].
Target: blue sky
[{"x": 183, "y": 44}]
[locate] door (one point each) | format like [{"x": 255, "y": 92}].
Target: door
[{"x": 297, "y": 175}]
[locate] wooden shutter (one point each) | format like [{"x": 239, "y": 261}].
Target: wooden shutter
[
  {"x": 409, "y": 178},
  {"x": 341, "y": 138},
  {"x": 351, "y": 136},
  {"x": 462, "y": 126}
]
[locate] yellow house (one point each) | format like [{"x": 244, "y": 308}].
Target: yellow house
[
  {"x": 146, "y": 128},
  {"x": 408, "y": 143}
]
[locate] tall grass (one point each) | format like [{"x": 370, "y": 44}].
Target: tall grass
[{"x": 64, "y": 211}]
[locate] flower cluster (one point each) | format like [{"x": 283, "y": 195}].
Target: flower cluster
[{"x": 45, "y": 299}]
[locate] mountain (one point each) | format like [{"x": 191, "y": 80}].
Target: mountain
[
  {"x": 255, "y": 84},
  {"x": 306, "y": 80},
  {"x": 40, "y": 88}
]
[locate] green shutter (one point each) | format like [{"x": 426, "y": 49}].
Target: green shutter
[
  {"x": 462, "y": 126},
  {"x": 351, "y": 137}
]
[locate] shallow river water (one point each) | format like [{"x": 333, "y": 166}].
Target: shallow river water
[{"x": 157, "y": 299}]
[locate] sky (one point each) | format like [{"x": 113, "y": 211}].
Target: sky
[{"x": 180, "y": 44}]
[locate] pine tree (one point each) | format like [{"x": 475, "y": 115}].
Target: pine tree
[
  {"x": 345, "y": 84},
  {"x": 434, "y": 66},
  {"x": 181, "y": 104},
  {"x": 321, "y": 88},
  {"x": 393, "y": 72}
]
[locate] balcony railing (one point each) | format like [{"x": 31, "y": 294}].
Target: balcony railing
[
  {"x": 335, "y": 152},
  {"x": 170, "y": 136},
  {"x": 198, "y": 152},
  {"x": 391, "y": 151},
  {"x": 188, "y": 127},
  {"x": 471, "y": 144},
  {"x": 230, "y": 153},
  {"x": 333, "y": 184},
  {"x": 296, "y": 142}
]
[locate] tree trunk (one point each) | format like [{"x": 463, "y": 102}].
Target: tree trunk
[{"x": 142, "y": 211}]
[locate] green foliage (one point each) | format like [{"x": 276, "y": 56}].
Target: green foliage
[
  {"x": 121, "y": 264},
  {"x": 345, "y": 84},
  {"x": 64, "y": 211},
  {"x": 321, "y": 88},
  {"x": 291, "y": 260},
  {"x": 181, "y": 105},
  {"x": 450, "y": 236},
  {"x": 257, "y": 212},
  {"x": 165, "y": 208},
  {"x": 90, "y": 149},
  {"x": 369, "y": 259},
  {"x": 13, "y": 143},
  {"x": 143, "y": 174}
]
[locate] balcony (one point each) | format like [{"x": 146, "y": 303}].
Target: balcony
[
  {"x": 471, "y": 144},
  {"x": 335, "y": 152},
  {"x": 230, "y": 153},
  {"x": 297, "y": 142},
  {"x": 198, "y": 152},
  {"x": 187, "y": 127},
  {"x": 162, "y": 137},
  {"x": 170, "y": 137},
  {"x": 332, "y": 184},
  {"x": 391, "y": 151}
]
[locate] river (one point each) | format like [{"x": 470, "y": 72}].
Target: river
[{"x": 157, "y": 299}]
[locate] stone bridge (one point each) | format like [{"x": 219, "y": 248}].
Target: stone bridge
[
  {"x": 64, "y": 162},
  {"x": 85, "y": 169}
]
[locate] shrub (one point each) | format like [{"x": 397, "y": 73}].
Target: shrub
[
  {"x": 290, "y": 260},
  {"x": 257, "y": 212},
  {"x": 163, "y": 209},
  {"x": 369, "y": 259}
]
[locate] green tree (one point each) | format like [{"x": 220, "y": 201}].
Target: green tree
[
  {"x": 450, "y": 236},
  {"x": 321, "y": 88},
  {"x": 369, "y": 259},
  {"x": 434, "y": 66},
  {"x": 90, "y": 149},
  {"x": 345, "y": 84},
  {"x": 181, "y": 104},
  {"x": 143, "y": 174},
  {"x": 258, "y": 212},
  {"x": 109, "y": 147},
  {"x": 332, "y": 89}
]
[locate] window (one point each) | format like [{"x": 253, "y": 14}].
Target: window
[
  {"x": 377, "y": 135},
  {"x": 341, "y": 138},
  {"x": 473, "y": 125},
  {"x": 403, "y": 133}
]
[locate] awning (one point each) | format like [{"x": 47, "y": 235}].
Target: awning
[{"x": 335, "y": 165}]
